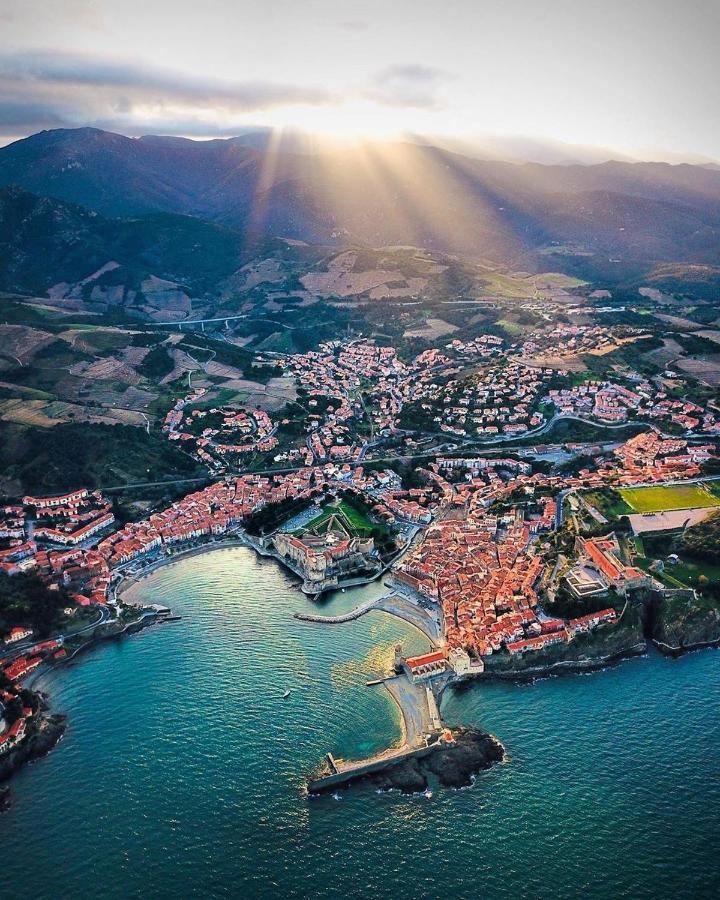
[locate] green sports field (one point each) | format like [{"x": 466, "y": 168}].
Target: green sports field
[{"x": 671, "y": 496}]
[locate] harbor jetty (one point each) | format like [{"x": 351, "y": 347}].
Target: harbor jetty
[
  {"x": 423, "y": 733},
  {"x": 395, "y": 604},
  {"x": 341, "y": 773},
  {"x": 453, "y": 759},
  {"x": 338, "y": 620}
]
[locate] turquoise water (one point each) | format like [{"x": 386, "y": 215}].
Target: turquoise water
[{"x": 182, "y": 770}]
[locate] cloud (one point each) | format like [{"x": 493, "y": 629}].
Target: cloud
[
  {"x": 73, "y": 70},
  {"x": 353, "y": 25},
  {"x": 39, "y": 89},
  {"x": 409, "y": 84},
  {"x": 28, "y": 13}
]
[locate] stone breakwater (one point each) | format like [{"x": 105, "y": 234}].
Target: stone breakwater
[{"x": 452, "y": 764}]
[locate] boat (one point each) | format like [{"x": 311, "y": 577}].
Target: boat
[
  {"x": 428, "y": 793},
  {"x": 286, "y": 694}
]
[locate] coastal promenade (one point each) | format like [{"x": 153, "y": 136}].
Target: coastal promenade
[{"x": 131, "y": 574}]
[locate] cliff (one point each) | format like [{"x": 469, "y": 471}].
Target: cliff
[
  {"x": 602, "y": 647},
  {"x": 683, "y": 621}
]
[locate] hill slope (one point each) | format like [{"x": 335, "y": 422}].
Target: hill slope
[
  {"x": 611, "y": 219},
  {"x": 44, "y": 241}
]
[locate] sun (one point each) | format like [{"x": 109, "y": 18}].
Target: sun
[{"x": 352, "y": 121}]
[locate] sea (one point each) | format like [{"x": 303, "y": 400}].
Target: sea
[{"x": 182, "y": 771}]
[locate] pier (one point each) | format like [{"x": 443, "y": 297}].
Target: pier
[{"x": 352, "y": 771}]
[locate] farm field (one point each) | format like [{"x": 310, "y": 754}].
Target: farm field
[
  {"x": 432, "y": 329},
  {"x": 665, "y": 497}
]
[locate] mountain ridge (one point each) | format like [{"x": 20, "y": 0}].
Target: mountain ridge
[{"x": 591, "y": 220}]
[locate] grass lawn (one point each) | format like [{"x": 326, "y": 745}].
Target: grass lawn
[
  {"x": 665, "y": 497},
  {"x": 355, "y": 521},
  {"x": 511, "y": 328},
  {"x": 689, "y": 571},
  {"x": 508, "y": 286},
  {"x": 609, "y": 503}
]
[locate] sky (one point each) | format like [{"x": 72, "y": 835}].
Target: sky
[{"x": 639, "y": 77}]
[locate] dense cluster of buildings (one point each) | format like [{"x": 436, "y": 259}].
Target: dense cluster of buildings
[
  {"x": 32, "y": 532},
  {"x": 648, "y": 457},
  {"x": 482, "y": 569},
  {"x": 501, "y": 399},
  {"x": 566, "y": 340},
  {"x": 370, "y": 383},
  {"x": 216, "y": 435},
  {"x": 612, "y": 403},
  {"x": 13, "y": 729},
  {"x": 341, "y": 372}
]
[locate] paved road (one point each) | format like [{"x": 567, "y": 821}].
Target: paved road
[{"x": 23, "y": 646}]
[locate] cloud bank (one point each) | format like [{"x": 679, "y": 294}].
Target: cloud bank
[{"x": 42, "y": 89}]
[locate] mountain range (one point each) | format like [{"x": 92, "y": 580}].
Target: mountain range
[{"x": 193, "y": 208}]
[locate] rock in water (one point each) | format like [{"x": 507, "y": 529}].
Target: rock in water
[
  {"x": 472, "y": 752},
  {"x": 454, "y": 765}
]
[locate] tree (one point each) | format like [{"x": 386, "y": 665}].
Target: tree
[{"x": 26, "y": 600}]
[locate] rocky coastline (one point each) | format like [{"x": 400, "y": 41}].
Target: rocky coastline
[
  {"x": 681, "y": 625},
  {"x": 46, "y": 731},
  {"x": 46, "y": 728},
  {"x": 563, "y": 666},
  {"x": 450, "y": 765},
  {"x": 676, "y": 650}
]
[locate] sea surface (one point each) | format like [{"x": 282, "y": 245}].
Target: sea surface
[{"x": 182, "y": 770}]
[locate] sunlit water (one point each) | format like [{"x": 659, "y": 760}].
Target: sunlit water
[{"x": 182, "y": 771}]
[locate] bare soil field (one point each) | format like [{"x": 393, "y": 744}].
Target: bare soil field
[
  {"x": 570, "y": 363},
  {"x": 665, "y": 355},
  {"x": 271, "y": 396},
  {"x": 27, "y": 412},
  {"x": 411, "y": 288},
  {"x": 44, "y": 414},
  {"x": 21, "y": 343},
  {"x": 710, "y": 334},
  {"x": 431, "y": 329},
  {"x": 106, "y": 370},
  {"x": 678, "y": 321},
  {"x": 219, "y": 370},
  {"x": 341, "y": 281},
  {"x": 706, "y": 369}
]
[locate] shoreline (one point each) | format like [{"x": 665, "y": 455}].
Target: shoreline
[
  {"x": 675, "y": 652},
  {"x": 128, "y": 581},
  {"x": 561, "y": 667},
  {"x": 423, "y": 736},
  {"x": 49, "y": 727}
]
